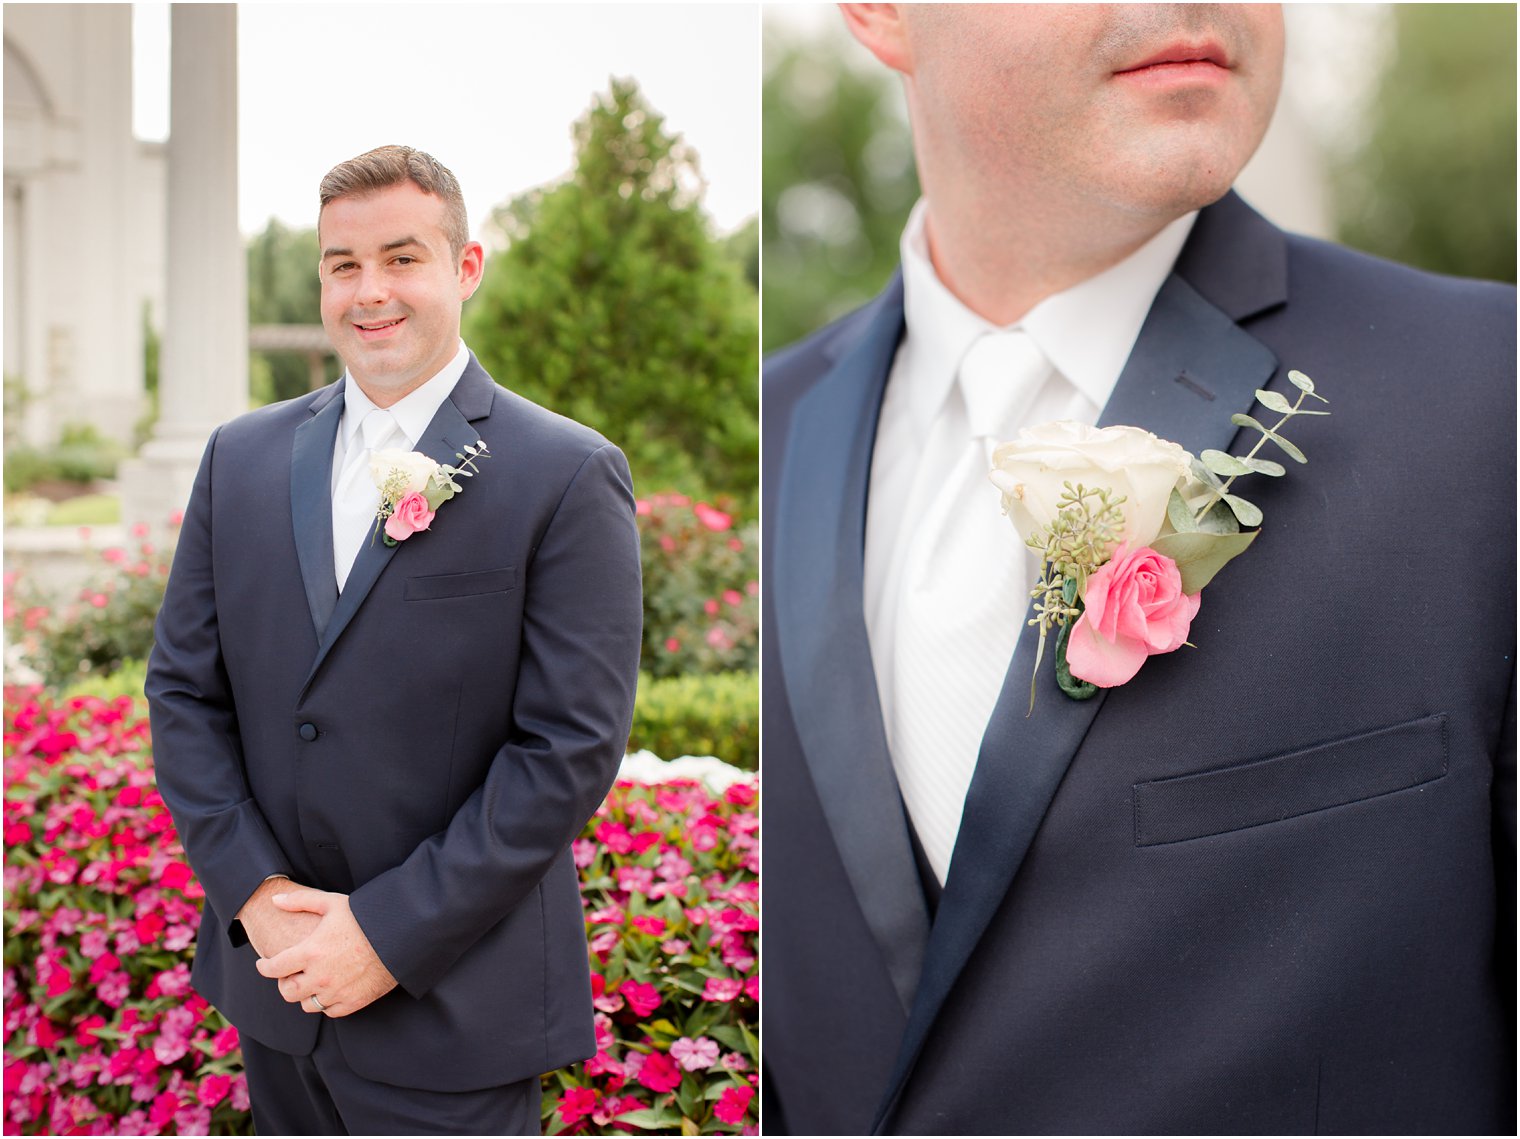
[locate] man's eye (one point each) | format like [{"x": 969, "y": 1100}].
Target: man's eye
[
  {"x": 405, "y": 260},
  {"x": 342, "y": 267}
]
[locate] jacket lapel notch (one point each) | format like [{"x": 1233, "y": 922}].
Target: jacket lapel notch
[{"x": 830, "y": 679}]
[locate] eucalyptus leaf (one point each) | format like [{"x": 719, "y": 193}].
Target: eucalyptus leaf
[
  {"x": 1200, "y": 556},
  {"x": 1240, "y": 419},
  {"x": 1222, "y": 464},
  {"x": 1292, "y": 452},
  {"x": 1265, "y": 467},
  {"x": 1206, "y": 476},
  {"x": 1300, "y": 381},
  {"x": 1248, "y": 513},
  {"x": 1220, "y": 519},
  {"x": 1273, "y": 402},
  {"x": 1179, "y": 514}
]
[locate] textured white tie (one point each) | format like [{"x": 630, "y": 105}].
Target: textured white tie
[
  {"x": 963, "y": 598},
  {"x": 356, "y": 497}
]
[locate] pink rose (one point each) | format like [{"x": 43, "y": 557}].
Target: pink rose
[
  {"x": 1135, "y": 609},
  {"x": 410, "y": 515}
]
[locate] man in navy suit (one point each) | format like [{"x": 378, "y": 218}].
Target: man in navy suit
[
  {"x": 378, "y": 751},
  {"x": 1267, "y": 884}
]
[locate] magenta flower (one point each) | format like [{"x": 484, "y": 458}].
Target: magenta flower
[
  {"x": 660, "y": 1073},
  {"x": 732, "y": 1104},
  {"x": 577, "y": 1103},
  {"x": 642, "y": 999}
]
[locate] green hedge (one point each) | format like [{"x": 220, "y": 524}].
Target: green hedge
[{"x": 699, "y": 714}]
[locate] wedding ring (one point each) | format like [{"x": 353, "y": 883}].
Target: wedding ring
[{"x": 320, "y": 1006}]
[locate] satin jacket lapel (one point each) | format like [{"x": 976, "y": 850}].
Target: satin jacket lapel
[
  {"x": 1191, "y": 368},
  {"x": 446, "y": 437},
  {"x": 311, "y": 458},
  {"x": 826, "y": 657}
]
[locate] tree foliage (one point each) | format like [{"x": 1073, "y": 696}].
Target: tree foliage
[
  {"x": 1434, "y": 183},
  {"x": 838, "y": 182},
  {"x": 613, "y": 304},
  {"x": 283, "y": 288}
]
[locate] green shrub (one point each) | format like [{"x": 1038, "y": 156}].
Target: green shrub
[
  {"x": 110, "y": 623},
  {"x": 699, "y": 714},
  {"x": 126, "y": 680},
  {"x": 701, "y": 593}
]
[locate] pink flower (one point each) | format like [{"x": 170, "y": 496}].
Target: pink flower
[
  {"x": 694, "y": 1055},
  {"x": 213, "y": 1090},
  {"x": 576, "y": 1104},
  {"x": 642, "y": 999},
  {"x": 733, "y": 597},
  {"x": 410, "y": 515},
  {"x": 714, "y": 520},
  {"x": 1135, "y": 609},
  {"x": 710, "y": 607},
  {"x": 648, "y": 924},
  {"x": 722, "y": 989},
  {"x": 672, "y": 645},
  {"x": 732, "y": 1104},
  {"x": 224, "y": 1041},
  {"x": 660, "y": 1073}
]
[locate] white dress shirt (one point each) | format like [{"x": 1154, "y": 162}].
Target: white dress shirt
[
  {"x": 412, "y": 414},
  {"x": 1086, "y": 332}
]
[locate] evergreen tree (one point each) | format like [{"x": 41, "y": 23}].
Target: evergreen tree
[
  {"x": 613, "y": 304},
  {"x": 283, "y": 288}
]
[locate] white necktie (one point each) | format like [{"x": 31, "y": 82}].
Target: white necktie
[
  {"x": 356, "y": 497},
  {"x": 963, "y": 598}
]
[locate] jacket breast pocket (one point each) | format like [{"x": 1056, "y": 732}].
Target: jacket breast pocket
[
  {"x": 439, "y": 585},
  {"x": 1286, "y": 786}
]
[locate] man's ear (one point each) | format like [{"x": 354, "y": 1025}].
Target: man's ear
[
  {"x": 472, "y": 266},
  {"x": 880, "y": 28}
]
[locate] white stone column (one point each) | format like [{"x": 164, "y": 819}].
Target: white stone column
[{"x": 203, "y": 368}]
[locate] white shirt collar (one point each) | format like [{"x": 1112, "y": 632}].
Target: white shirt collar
[
  {"x": 414, "y": 411},
  {"x": 1086, "y": 331}
]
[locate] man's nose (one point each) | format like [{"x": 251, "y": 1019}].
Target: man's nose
[{"x": 373, "y": 288}]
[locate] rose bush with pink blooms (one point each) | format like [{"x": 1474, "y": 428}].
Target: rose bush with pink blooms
[
  {"x": 103, "y": 1034},
  {"x": 1135, "y": 608},
  {"x": 701, "y": 589}
]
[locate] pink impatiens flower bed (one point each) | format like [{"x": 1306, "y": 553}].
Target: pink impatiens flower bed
[{"x": 103, "y": 1034}]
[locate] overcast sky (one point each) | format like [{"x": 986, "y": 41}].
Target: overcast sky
[{"x": 491, "y": 90}]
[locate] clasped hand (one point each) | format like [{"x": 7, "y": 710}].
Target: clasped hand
[{"x": 334, "y": 962}]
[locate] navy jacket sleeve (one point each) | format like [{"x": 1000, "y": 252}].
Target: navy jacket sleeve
[{"x": 197, "y": 754}]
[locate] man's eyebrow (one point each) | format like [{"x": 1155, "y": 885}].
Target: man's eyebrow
[{"x": 400, "y": 243}]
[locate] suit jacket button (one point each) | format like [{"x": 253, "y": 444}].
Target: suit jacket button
[{"x": 308, "y": 732}]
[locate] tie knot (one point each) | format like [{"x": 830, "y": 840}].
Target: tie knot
[
  {"x": 377, "y": 427},
  {"x": 1000, "y": 373}
]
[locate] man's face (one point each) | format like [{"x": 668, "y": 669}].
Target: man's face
[
  {"x": 391, "y": 289},
  {"x": 1150, "y": 108}
]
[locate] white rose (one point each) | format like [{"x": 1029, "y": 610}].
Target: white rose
[
  {"x": 415, "y": 467},
  {"x": 1032, "y": 469}
]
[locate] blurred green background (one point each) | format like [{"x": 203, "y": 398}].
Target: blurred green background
[{"x": 1404, "y": 117}]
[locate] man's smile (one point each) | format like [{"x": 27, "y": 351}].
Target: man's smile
[{"x": 377, "y": 329}]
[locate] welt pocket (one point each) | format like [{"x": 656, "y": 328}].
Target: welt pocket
[
  {"x": 433, "y": 586},
  {"x": 1296, "y": 783}
]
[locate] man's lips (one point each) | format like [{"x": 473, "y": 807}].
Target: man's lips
[
  {"x": 377, "y": 329},
  {"x": 1181, "y": 59}
]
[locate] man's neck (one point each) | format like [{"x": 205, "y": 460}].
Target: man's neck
[{"x": 1000, "y": 263}]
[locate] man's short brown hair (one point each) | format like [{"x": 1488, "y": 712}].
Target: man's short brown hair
[{"x": 387, "y": 166}]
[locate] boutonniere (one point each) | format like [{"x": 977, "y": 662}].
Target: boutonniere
[
  {"x": 1129, "y": 528},
  {"x": 413, "y": 487}
]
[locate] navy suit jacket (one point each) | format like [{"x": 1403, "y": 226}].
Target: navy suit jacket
[
  {"x": 1256, "y": 889},
  {"x": 429, "y": 742}
]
